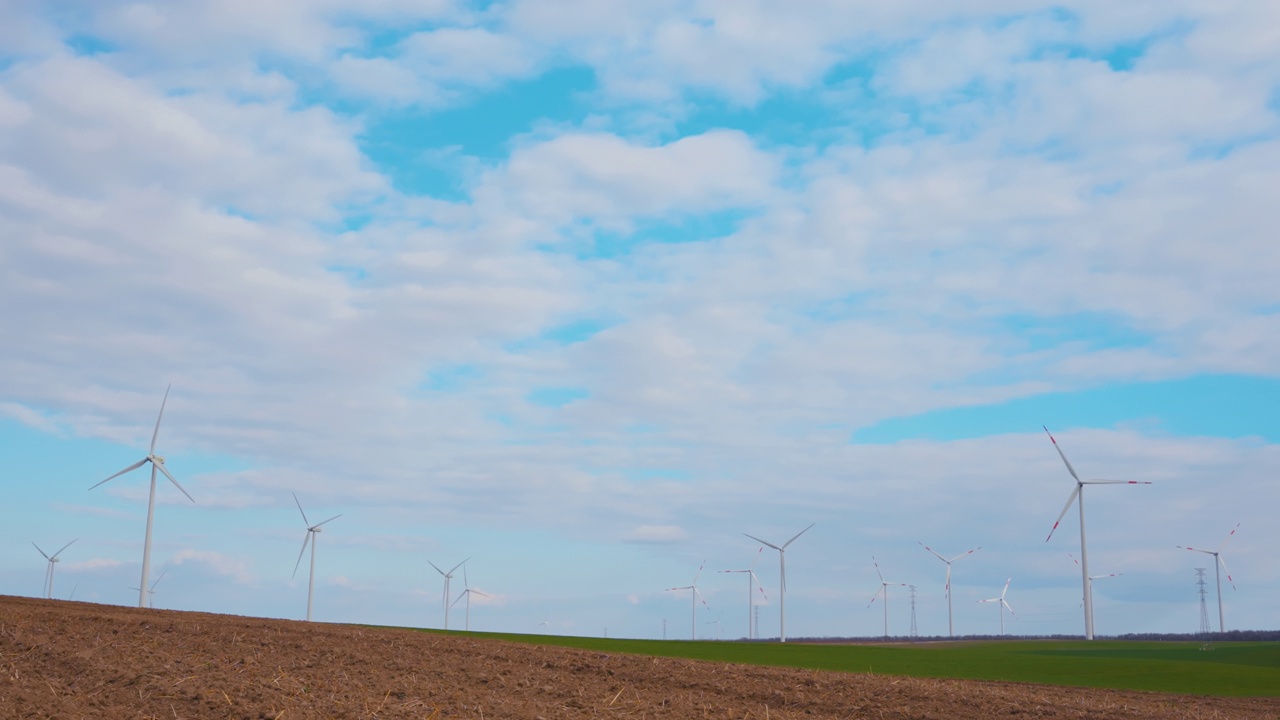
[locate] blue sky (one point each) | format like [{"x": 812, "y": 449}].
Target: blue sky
[{"x": 586, "y": 291}]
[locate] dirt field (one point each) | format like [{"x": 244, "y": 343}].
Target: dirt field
[{"x": 77, "y": 660}]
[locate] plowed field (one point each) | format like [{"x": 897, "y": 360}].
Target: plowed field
[{"x": 78, "y": 660}]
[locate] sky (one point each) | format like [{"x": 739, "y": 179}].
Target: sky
[{"x": 585, "y": 291}]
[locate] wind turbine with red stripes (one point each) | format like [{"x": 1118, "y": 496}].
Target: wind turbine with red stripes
[
  {"x": 1218, "y": 565},
  {"x": 1078, "y": 494}
]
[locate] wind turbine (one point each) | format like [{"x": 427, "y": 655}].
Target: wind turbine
[
  {"x": 48, "y": 573},
  {"x": 951, "y": 630},
  {"x": 1002, "y": 604},
  {"x": 782, "y": 579},
  {"x": 1218, "y": 563},
  {"x": 884, "y": 588},
  {"x": 157, "y": 463},
  {"x": 151, "y": 591},
  {"x": 467, "y": 592},
  {"x": 447, "y": 577},
  {"x": 694, "y": 597},
  {"x": 1091, "y": 579},
  {"x": 1084, "y": 554},
  {"x": 312, "y": 531},
  {"x": 751, "y": 580}
]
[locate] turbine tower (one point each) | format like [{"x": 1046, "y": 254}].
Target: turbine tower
[
  {"x": 447, "y": 577},
  {"x": 1078, "y": 493},
  {"x": 1219, "y": 564},
  {"x": 751, "y": 586},
  {"x": 694, "y": 597},
  {"x": 884, "y": 588},
  {"x": 951, "y": 629},
  {"x": 1002, "y": 604},
  {"x": 312, "y": 532},
  {"x": 157, "y": 463},
  {"x": 782, "y": 579},
  {"x": 48, "y": 572}
]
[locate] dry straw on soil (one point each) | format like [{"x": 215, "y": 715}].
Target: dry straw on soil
[{"x": 74, "y": 660}]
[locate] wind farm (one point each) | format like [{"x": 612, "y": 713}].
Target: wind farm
[{"x": 595, "y": 294}]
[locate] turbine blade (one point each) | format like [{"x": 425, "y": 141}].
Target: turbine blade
[
  {"x": 335, "y": 517},
  {"x": 1228, "y": 537},
  {"x": 1228, "y": 572},
  {"x": 305, "y": 540},
  {"x": 970, "y": 552},
  {"x": 1006, "y": 589},
  {"x": 465, "y": 583},
  {"x": 873, "y": 562},
  {"x": 755, "y": 559},
  {"x": 1116, "y": 482},
  {"x": 46, "y": 555},
  {"x": 131, "y": 468},
  {"x": 157, "y": 582},
  {"x": 793, "y": 539},
  {"x": 477, "y": 592},
  {"x": 173, "y": 480},
  {"x": 1065, "y": 508},
  {"x": 935, "y": 553},
  {"x": 753, "y": 537},
  {"x": 1062, "y": 455},
  {"x": 437, "y": 569},
  {"x": 873, "y": 597},
  {"x": 699, "y": 573},
  {"x": 1008, "y": 607},
  {"x": 156, "y": 433},
  {"x": 305, "y": 521},
  {"x": 455, "y": 567},
  {"x": 1206, "y": 552},
  {"x": 64, "y": 547},
  {"x": 759, "y": 586}
]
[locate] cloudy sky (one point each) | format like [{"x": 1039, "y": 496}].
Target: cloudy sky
[{"x": 584, "y": 291}]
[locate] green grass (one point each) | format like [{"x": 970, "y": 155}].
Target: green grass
[{"x": 1229, "y": 669}]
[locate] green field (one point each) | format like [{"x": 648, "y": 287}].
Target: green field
[{"x": 1229, "y": 669}]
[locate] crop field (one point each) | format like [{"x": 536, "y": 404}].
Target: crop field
[
  {"x": 1228, "y": 669},
  {"x": 77, "y": 660}
]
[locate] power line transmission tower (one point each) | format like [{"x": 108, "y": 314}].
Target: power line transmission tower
[
  {"x": 1204, "y": 604},
  {"x": 1202, "y": 589},
  {"x": 913, "y": 610}
]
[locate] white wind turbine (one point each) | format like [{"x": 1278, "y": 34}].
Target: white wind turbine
[
  {"x": 447, "y": 577},
  {"x": 1219, "y": 563},
  {"x": 751, "y": 580},
  {"x": 694, "y": 597},
  {"x": 312, "y": 532},
  {"x": 151, "y": 591},
  {"x": 467, "y": 592},
  {"x": 1078, "y": 493},
  {"x": 782, "y": 579},
  {"x": 884, "y": 588},
  {"x": 53, "y": 561},
  {"x": 1091, "y": 579},
  {"x": 1002, "y": 604},
  {"x": 157, "y": 463},
  {"x": 951, "y": 630}
]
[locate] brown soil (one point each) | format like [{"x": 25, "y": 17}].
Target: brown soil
[{"x": 77, "y": 660}]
